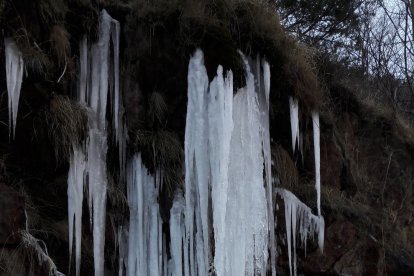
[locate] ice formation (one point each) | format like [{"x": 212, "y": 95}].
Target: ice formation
[
  {"x": 263, "y": 87},
  {"x": 197, "y": 168},
  {"x": 14, "y": 74},
  {"x": 317, "y": 153},
  {"x": 177, "y": 236},
  {"x": 298, "y": 216},
  {"x": 294, "y": 121},
  {"x": 229, "y": 161},
  {"x": 146, "y": 241},
  {"x": 98, "y": 76},
  {"x": 75, "y": 198},
  {"x": 227, "y": 175},
  {"x": 220, "y": 110}
]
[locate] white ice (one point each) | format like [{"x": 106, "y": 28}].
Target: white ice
[
  {"x": 220, "y": 110},
  {"x": 298, "y": 216},
  {"x": 75, "y": 199},
  {"x": 145, "y": 243},
  {"x": 14, "y": 76},
  {"x": 177, "y": 235},
  {"x": 98, "y": 75},
  {"x": 262, "y": 77},
  {"x": 246, "y": 249},
  {"x": 294, "y": 121},
  {"x": 197, "y": 168},
  {"x": 317, "y": 152},
  {"x": 97, "y": 189}
]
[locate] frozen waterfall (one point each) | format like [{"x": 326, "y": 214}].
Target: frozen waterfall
[
  {"x": 223, "y": 223},
  {"x": 98, "y": 77}
]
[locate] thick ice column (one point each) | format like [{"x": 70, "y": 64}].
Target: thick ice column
[
  {"x": 75, "y": 199},
  {"x": 220, "y": 110},
  {"x": 246, "y": 244},
  {"x": 317, "y": 152},
  {"x": 197, "y": 167},
  {"x": 262, "y": 77},
  {"x": 14, "y": 75},
  {"x": 294, "y": 121}
]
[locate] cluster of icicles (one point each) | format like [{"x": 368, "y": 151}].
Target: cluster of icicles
[{"x": 224, "y": 223}]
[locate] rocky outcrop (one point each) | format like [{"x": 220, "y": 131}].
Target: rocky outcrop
[{"x": 12, "y": 215}]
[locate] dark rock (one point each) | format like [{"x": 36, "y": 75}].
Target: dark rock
[{"x": 12, "y": 215}]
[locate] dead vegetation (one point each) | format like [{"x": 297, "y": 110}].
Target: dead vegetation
[
  {"x": 66, "y": 122},
  {"x": 29, "y": 258}
]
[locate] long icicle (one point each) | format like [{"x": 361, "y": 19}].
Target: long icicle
[
  {"x": 294, "y": 122},
  {"x": 75, "y": 198},
  {"x": 14, "y": 73},
  {"x": 317, "y": 150}
]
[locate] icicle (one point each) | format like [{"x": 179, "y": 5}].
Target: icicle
[
  {"x": 299, "y": 216},
  {"x": 316, "y": 146},
  {"x": 83, "y": 71},
  {"x": 75, "y": 199},
  {"x": 263, "y": 79},
  {"x": 247, "y": 244},
  {"x": 145, "y": 243},
  {"x": 197, "y": 167},
  {"x": 220, "y": 111},
  {"x": 177, "y": 235},
  {"x": 14, "y": 73},
  {"x": 117, "y": 100},
  {"x": 294, "y": 121},
  {"x": 95, "y": 80},
  {"x": 97, "y": 189},
  {"x": 122, "y": 237}
]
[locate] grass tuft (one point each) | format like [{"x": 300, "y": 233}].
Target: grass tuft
[{"x": 66, "y": 121}]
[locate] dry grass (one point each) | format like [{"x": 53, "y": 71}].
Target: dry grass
[
  {"x": 118, "y": 202},
  {"x": 284, "y": 168},
  {"x": 251, "y": 26},
  {"x": 35, "y": 58},
  {"x": 156, "y": 108},
  {"x": 165, "y": 152},
  {"x": 29, "y": 258},
  {"x": 66, "y": 122},
  {"x": 59, "y": 38}
]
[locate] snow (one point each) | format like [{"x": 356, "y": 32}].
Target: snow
[
  {"x": 294, "y": 121},
  {"x": 317, "y": 153},
  {"x": 14, "y": 75},
  {"x": 75, "y": 199},
  {"x": 298, "y": 216}
]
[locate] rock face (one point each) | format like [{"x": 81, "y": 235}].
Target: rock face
[
  {"x": 367, "y": 155},
  {"x": 12, "y": 216}
]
